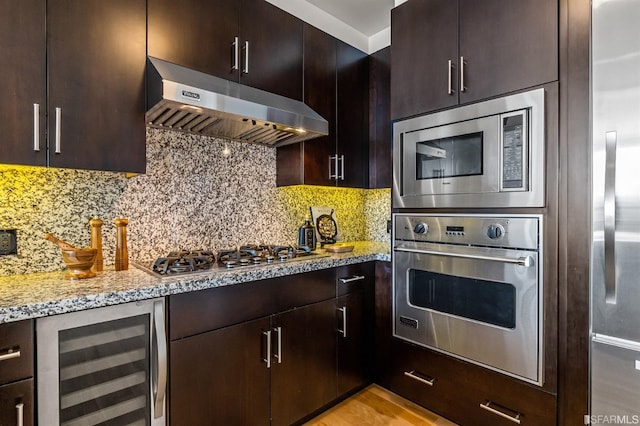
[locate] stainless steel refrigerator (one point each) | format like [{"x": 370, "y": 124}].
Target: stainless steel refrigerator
[{"x": 615, "y": 250}]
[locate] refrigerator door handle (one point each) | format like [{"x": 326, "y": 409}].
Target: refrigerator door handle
[{"x": 611, "y": 139}]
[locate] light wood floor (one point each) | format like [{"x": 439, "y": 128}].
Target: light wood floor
[{"x": 376, "y": 406}]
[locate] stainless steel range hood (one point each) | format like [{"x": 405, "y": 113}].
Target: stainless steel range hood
[{"x": 186, "y": 100}]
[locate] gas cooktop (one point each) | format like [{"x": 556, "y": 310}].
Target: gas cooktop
[{"x": 178, "y": 263}]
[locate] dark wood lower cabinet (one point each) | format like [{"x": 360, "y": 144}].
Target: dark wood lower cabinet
[
  {"x": 466, "y": 394},
  {"x": 16, "y": 403},
  {"x": 220, "y": 377},
  {"x": 269, "y": 352},
  {"x": 303, "y": 370}
]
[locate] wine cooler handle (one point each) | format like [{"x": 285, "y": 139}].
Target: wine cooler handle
[{"x": 161, "y": 353}]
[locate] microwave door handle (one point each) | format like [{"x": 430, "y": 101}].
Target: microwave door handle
[
  {"x": 611, "y": 139},
  {"x": 526, "y": 261}
]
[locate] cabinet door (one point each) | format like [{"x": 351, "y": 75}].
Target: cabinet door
[
  {"x": 22, "y": 81},
  {"x": 220, "y": 377},
  {"x": 303, "y": 378},
  {"x": 16, "y": 404},
  {"x": 354, "y": 346},
  {"x": 197, "y": 34},
  {"x": 274, "y": 40},
  {"x": 352, "y": 116},
  {"x": 424, "y": 37},
  {"x": 308, "y": 162},
  {"x": 507, "y": 46},
  {"x": 96, "y": 60}
]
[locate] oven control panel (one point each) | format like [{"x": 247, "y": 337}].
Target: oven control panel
[{"x": 520, "y": 231}]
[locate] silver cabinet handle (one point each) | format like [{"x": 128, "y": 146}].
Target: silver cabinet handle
[
  {"x": 245, "y": 48},
  {"x": 333, "y": 158},
  {"x": 36, "y": 127},
  {"x": 462, "y": 87},
  {"x": 160, "y": 382},
  {"x": 416, "y": 376},
  {"x": 267, "y": 359},
  {"x": 10, "y": 354},
  {"x": 526, "y": 261},
  {"x": 514, "y": 418},
  {"x": 450, "y": 78},
  {"x": 58, "y": 148},
  {"x": 611, "y": 140},
  {"x": 236, "y": 58},
  {"x": 343, "y": 312},
  {"x": 352, "y": 279},
  {"x": 341, "y": 177},
  {"x": 20, "y": 414},
  {"x": 278, "y": 354}
]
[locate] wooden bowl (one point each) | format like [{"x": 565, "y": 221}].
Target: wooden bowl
[{"x": 79, "y": 262}]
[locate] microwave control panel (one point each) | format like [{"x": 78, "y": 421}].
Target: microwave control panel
[{"x": 514, "y": 157}]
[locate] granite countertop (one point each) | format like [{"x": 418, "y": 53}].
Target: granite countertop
[{"x": 42, "y": 294}]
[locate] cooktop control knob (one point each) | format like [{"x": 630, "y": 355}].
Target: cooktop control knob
[
  {"x": 495, "y": 231},
  {"x": 421, "y": 228}
]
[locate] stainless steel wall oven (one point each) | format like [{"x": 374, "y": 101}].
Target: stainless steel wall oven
[
  {"x": 489, "y": 154},
  {"x": 471, "y": 286}
]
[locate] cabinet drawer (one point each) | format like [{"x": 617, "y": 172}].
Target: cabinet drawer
[
  {"x": 354, "y": 277},
  {"x": 200, "y": 311},
  {"x": 16, "y": 351},
  {"x": 16, "y": 403},
  {"x": 464, "y": 393}
]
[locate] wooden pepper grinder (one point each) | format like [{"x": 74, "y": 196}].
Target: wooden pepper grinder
[
  {"x": 122, "y": 256},
  {"x": 96, "y": 243}
]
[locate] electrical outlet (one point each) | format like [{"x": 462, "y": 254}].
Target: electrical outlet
[{"x": 8, "y": 242}]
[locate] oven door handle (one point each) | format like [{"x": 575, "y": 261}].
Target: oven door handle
[{"x": 526, "y": 261}]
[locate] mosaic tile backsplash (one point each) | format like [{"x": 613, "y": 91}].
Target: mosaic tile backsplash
[{"x": 195, "y": 194}]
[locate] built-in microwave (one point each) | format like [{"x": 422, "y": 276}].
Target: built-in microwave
[{"x": 488, "y": 154}]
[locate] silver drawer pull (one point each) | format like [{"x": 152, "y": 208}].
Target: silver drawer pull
[
  {"x": 10, "y": 354},
  {"x": 20, "y": 414},
  {"x": 58, "y": 131},
  {"x": 267, "y": 359},
  {"x": 352, "y": 279},
  {"x": 36, "y": 127},
  {"x": 415, "y": 376},
  {"x": 489, "y": 407}
]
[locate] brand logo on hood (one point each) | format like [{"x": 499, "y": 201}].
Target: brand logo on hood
[{"x": 191, "y": 95}]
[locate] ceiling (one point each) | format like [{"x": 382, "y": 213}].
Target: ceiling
[{"x": 369, "y": 17}]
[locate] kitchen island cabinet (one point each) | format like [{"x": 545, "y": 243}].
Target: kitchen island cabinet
[
  {"x": 446, "y": 53},
  {"x": 223, "y": 38},
  {"x": 16, "y": 373},
  {"x": 84, "y": 70}
]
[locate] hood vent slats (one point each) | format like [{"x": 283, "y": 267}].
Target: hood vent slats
[{"x": 185, "y": 100}]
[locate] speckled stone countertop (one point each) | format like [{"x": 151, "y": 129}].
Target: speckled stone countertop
[{"x": 42, "y": 294}]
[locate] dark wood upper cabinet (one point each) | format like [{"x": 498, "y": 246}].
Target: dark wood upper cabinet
[
  {"x": 249, "y": 41},
  {"x": 450, "y": 52},
  {"x": 23, "y": 81},
  {"x": 336, "y": 85},
  {"x": 507, "y": 46},
  {"x": 380, "y": 119},
  {"x": 308, "y": 162},
  {"x": 96, "y": 62},
  {"x": 197, "y": 34},
  {"x": 424, "y": 38},
  {"x": 352, "y": 72}
]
